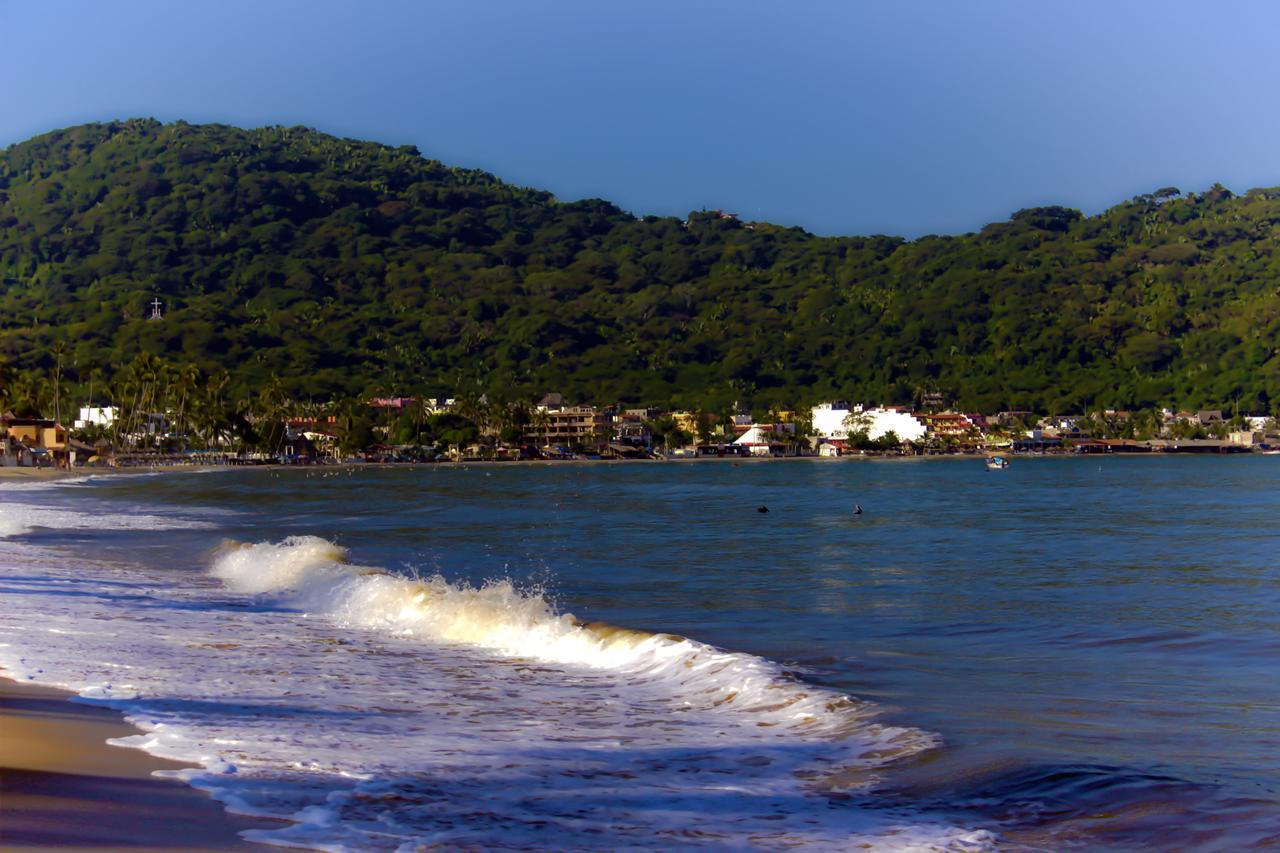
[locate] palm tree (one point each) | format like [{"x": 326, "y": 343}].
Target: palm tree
[
  {"x": 272, "y": 407},
  {"x": 59, "y": 352},
  {"x": 539, "y": 422},
  {"x": 205, "y": 410},
  {"x": 476, "y": 410},
  {"x": 419, "y": 411},
  {"x": 7, "y": 377},
  {"x": 24, "y": 395},
  {"x": 187, "y": 380}
]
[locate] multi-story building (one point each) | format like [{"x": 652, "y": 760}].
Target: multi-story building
[
  {"x": 949, "y": 425},
  {"x": 631, "y": 427},
  {"x": 571, "y": 425}
]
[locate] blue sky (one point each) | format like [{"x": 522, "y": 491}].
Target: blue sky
[{"x": 842, "y": 117}]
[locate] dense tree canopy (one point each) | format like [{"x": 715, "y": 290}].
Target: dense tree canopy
[{"x": 345, "y": 267}]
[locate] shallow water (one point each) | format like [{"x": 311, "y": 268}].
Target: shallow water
[{"x": 1072, "y": 652}]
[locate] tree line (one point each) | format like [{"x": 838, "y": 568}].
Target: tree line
[{"x": 330, "y": 268}]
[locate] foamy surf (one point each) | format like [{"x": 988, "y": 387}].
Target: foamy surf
[
  {"x": 380, "y": 712},
  {"x": 313, "y": 573},
  {"x": 17, "y": 519}
]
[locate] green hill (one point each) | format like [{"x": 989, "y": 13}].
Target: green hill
[{"x": 345, "y": 267}]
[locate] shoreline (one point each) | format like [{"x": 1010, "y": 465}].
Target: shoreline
[
  {"x": 63, "y": 786},
  {"x": 8, "y": 473}
]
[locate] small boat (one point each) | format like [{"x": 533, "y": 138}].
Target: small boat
[{"x": 997, "y": 463}]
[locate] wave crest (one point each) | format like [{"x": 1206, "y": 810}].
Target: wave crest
[{"x": 314, "y": 574}]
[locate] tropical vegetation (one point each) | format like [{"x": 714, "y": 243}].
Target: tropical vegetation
[{"x": 298, "y": 266}]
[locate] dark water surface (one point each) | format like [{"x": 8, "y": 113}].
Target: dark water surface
[{"x": 1096, "y": 641}]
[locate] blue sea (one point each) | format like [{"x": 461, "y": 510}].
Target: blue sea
[{"x": 1073, "y": 653}]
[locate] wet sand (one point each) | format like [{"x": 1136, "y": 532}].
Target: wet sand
[
  {"x": 62, "y": 786},
  {"x": 14, "y": 473}
]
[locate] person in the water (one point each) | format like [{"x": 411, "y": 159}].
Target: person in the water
[{"x": 762, "y": 508}]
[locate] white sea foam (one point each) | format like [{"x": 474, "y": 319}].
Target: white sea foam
[
  {"x": 13, "y": 523},
  {"x": 17, "y": 519},
  {"x": 42, "y": 485},
  {"x": 312, "y": 573},
  {"x": 381, "y": 712}
]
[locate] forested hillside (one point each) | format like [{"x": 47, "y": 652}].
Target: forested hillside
[{"x": 345, "y": 267}]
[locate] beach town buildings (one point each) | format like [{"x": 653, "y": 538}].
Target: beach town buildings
[
  {"x": 99, "y": 416},
  {"x": 741, "y": 422},
  {"x": 39, "y": 442},
  {"x": 1204, "y": 417},
  {"x": 898, "y": 420},
  {"x": 839, "y": 421},
  {"x": 631, "y": 427},
  {"x": 572, "y": 425},
  {"x": 397, "y": 405},
  {"x": 555, "y": 429},
  {"x": 828, "y": 419},
  {"x": 688, "y": 422},
  {"x": 950, "y": 426},
  {"x": 1247, "y": 438},
  {"x": 393, "y": 404},
  {"x": 769, "y": 439},
  {"x": 1260, "y": 423}
]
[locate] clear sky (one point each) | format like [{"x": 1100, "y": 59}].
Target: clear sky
[{"x": 840, "y": 116}]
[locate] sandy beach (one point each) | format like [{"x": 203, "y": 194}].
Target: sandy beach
[
  {"x": 15, "y": 473},
  {"x": 62, "y": 786}
]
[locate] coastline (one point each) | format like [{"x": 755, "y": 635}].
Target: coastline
[
  {"x": 63, "y": 786},
  {"x": 49, "y": 474}
]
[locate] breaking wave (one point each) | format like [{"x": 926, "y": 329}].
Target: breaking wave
[
  {"x": 314, "y": 574},
  {"x": 615, "y": 733},
  {"x": 372, "y": 711}
]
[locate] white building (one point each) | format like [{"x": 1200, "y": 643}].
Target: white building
[
  {"x": 1257, "y": 423},
  {"x": 829, "y": 419},
  {"x": 766, "y": 439},
  {"x": 103, "y": 416},
  {"x": 838, "y": 420},
  {"x": 879, "y": 422}
]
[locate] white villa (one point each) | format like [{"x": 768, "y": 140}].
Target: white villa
[
  {"x": 838, "y": 420},
  {"x": 828, "y": 419},
  {"x": 103, "y": 416}
]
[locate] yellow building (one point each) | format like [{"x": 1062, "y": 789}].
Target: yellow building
[
  {"x": 39, "y": 437},
  {"x": 688, "y": 421}
]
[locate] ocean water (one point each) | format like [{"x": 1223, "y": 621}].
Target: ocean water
[{"x": 1072, "y": 653}]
